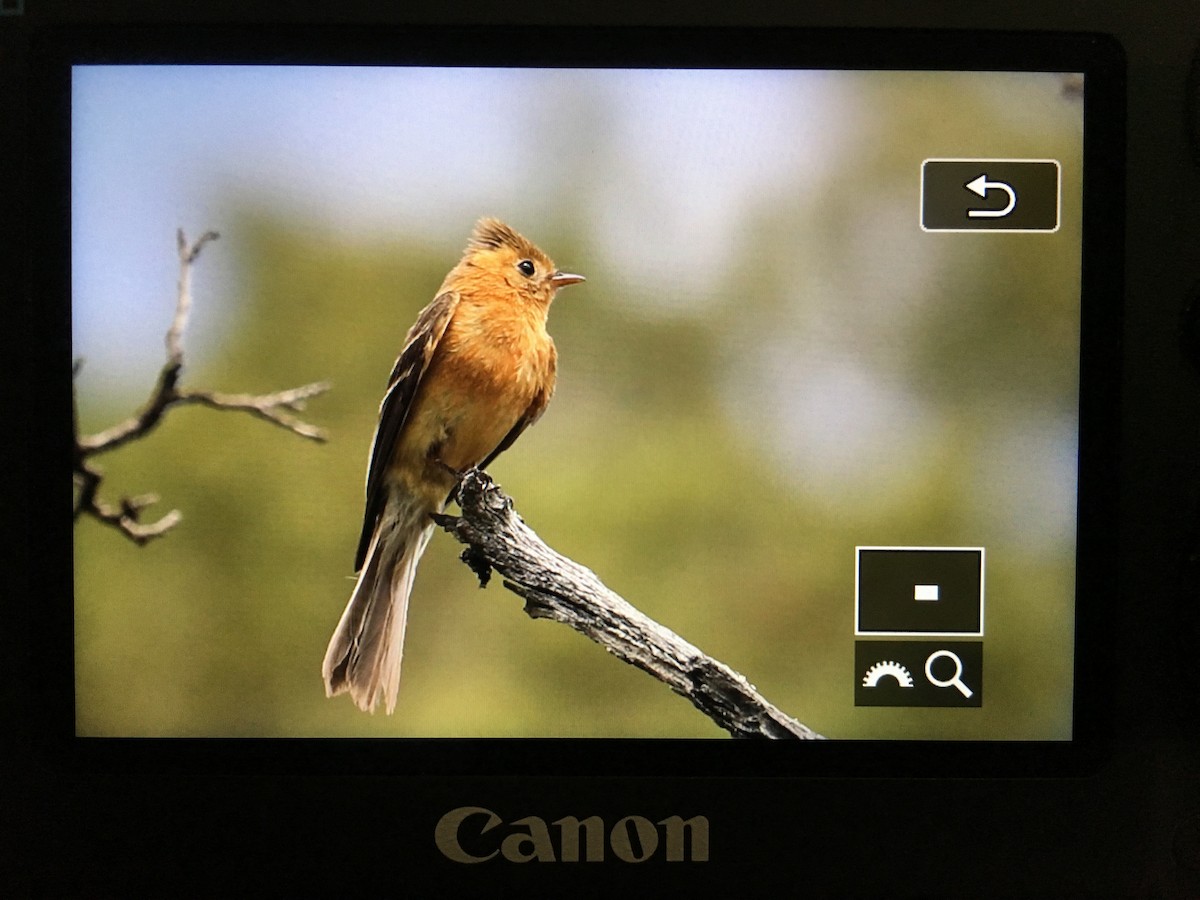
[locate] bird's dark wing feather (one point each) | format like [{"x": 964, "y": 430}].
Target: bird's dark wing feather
[{"x": 406, "y": 376}]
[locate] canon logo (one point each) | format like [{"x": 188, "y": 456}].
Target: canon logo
[{"x": 472, "y": 834}]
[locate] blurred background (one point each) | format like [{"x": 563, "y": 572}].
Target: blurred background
[{"x": 769, "y": 364}]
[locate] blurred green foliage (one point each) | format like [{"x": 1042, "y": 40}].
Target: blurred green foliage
[{"x": 668, "y": 463}]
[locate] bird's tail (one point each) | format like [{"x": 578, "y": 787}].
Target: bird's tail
[{"x": 365, "y": 650}]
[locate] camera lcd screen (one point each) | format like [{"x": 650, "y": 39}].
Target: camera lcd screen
[{"x": 819, "y": 405}]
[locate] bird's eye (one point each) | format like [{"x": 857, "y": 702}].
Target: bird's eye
[{"x": 526, "y": 267}]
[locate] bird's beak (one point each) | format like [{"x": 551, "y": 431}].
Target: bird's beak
[{"x": 562, "y": 279}]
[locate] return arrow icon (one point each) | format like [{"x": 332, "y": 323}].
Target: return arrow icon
[{"x": 981, "y": 186}]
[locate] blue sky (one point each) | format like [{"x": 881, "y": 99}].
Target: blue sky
[{"x": 365, "y": 151}]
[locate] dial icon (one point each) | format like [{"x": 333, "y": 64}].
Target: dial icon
[{"x": 887, "y": 668}]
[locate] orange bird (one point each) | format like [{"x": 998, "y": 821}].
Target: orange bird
[{"x": 476, "y": 370}]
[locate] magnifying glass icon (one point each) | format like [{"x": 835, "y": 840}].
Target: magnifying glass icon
[{"x": 954, "y": 680}]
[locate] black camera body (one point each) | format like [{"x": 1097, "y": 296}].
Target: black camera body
[{"x": 882, "y": 401}]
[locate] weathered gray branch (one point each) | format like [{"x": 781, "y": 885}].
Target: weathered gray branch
[
  {"x": 275, "y": 408},
  {"x": 558, "y": 588}
]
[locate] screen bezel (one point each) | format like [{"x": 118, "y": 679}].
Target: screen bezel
[{"x": 1099, "y": 58}]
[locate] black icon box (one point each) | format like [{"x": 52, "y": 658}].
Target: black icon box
[
  {"x": 990, "y": 195},
  {"x": 919, "y": 673},
  {"x": 917, "y": 591}
]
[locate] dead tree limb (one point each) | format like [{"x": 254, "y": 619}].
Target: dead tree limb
[
  {"x": 166, "y": 393},
  {"x": 558, "y": 588}
]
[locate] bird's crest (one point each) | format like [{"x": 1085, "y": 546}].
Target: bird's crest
[{"x": 492, "y": 234}]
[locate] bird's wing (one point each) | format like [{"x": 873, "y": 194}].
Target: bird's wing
[{"x": 411, "y": 365}]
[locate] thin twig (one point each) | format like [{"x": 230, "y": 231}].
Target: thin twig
[
  {"x": 123, "y": 517},
  {"x": 558, "y": 588},
  {"x": 140, "y": 423},
  {"x": 275, "y": 408},
  {"x": 266, "y": 406},
  {"x": 188, "y": 254}
]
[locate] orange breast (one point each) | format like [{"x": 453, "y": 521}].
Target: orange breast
[{"x": 493, "y": 364}]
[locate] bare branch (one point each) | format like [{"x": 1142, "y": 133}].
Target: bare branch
[
  {"x": 188, "y": 254},
  {"x": 267, "y": 406},
  {"x": 555, "y": 587},
  {"x": 124, "y": 517},
  {"x": 275, "y": 408},
  {"x": 141, "y": 423}
]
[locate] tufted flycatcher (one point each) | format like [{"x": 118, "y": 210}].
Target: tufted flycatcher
[{"x": 476, "y": 370}]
